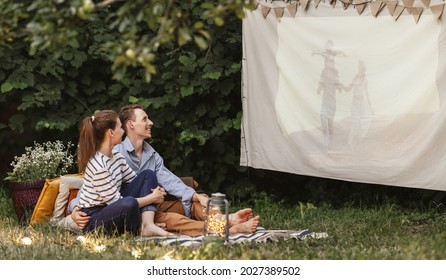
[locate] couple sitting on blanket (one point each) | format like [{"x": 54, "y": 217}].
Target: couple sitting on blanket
[{"x": 125, "y": 183}]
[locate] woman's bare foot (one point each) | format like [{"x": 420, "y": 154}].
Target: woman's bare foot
[
  {"x": 249, "y": 226},
  {"x": 154, "y": 230},
  {"x": 240, "y": 216}
]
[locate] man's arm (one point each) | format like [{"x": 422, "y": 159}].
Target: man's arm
[{"x": 173, "y": 184}]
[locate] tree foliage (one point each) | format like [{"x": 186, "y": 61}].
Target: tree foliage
[{"x": 61, "y": 60}]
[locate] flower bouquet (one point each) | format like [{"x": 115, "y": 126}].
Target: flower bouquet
[{"x": 31, "y": 169}]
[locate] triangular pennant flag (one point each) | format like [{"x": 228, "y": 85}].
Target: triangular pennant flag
[
  {"x": 416, "y": 12},
  {"x": 304, "y": 3},
  {"x": 346, "y": 3},
  {"x": 317, "y": 2},
  {"x": 383, "y": 4},
  {"x": 292, "y": 9},
  {"x": 391, "y": 5},
  {"x": 279, "y": 12},
  {"x": 437, "y": 10},
  {"x": 408, "y": 3},
  {"x": 426, "y": 3},
  {"x": 359, "y": 2},
  {"x": 376, "y": 7},
  {"x": 360, "y": 8},
  {"x": 265, "y": 11},
  {"x": 398, "y": 11}
]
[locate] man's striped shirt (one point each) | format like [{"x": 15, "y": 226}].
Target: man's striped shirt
[{"x": 103, "y": 178}]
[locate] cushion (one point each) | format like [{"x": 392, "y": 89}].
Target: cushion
[
  {"x": 188, "y": 181},
  {"x": 71, "y": 196},
  {"x": 73, "y": 181},
  {"x": 45, "y": 204}
]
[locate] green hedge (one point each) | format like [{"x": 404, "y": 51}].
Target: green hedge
[{"x": 61, "y": 60}]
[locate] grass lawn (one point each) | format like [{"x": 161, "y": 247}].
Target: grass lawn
[{"x": 383, "y": 231}]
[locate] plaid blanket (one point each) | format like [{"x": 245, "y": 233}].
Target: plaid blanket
[{"x": 261, "y": 235}]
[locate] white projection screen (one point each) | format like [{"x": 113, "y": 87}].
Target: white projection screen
[{"x": 332, "y": 93}]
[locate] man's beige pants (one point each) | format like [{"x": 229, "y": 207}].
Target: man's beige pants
[{"x": 172, "y": 214}]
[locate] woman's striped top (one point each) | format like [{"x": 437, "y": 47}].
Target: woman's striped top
[{"x": 103, "y": 178}]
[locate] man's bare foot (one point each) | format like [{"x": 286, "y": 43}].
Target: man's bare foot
[
  {"x": 240, "y": 216},
  {"x": 154, "y": 230},
  {"x": 249, "y": 226}
]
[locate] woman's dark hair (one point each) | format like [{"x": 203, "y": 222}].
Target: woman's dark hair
[{"x": 92, "y": 133}]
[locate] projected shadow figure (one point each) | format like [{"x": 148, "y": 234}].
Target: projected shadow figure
[
  {"x": 328, "y": 85},
  {"x": 360, "y": 96}
]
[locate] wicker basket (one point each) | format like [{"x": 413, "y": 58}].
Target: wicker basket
[{"x": 24, "y": 198}]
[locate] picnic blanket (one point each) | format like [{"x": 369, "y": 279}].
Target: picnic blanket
[{"x": 261, "y": 235}]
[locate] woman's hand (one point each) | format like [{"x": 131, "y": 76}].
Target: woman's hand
[
  {"x": 157, "y": 195},
  {"x": 80, "y": 218}
]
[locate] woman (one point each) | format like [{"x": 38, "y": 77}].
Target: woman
[{"x": 114, "y": 198}]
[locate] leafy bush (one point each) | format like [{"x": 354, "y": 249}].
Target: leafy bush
[{"x": 74, "y": 67}]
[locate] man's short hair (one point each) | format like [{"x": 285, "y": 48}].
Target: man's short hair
[{"x": 127, "y": 113}]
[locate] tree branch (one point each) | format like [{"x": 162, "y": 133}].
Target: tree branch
[
  {"x": 163, "y": 23},
  {"x": 104, "y": 4}
]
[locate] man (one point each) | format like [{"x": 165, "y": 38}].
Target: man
[
  {"x": 140, "y": 156},
  {"x": 185, "y": 215}
]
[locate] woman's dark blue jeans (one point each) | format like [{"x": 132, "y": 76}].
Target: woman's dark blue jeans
[{"x": 124, "y": 214}]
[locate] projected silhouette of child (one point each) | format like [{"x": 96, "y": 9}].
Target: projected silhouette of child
[{"x": 360, "y": 96}]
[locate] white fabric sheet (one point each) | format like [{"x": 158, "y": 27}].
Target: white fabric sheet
[{"x": 331, "y": 93}]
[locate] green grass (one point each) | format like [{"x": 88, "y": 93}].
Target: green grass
[{"x": 382, "y": 231}]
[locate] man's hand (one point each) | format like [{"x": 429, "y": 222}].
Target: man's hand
[
  {"x": 80, "y": 218},
  {"x": 202, "y": 198}
]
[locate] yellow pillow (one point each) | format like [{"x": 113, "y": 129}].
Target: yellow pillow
[{"x": 45, "y": 204}]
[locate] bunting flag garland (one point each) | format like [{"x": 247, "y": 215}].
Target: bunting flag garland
[{"x": 395, "y": 7}]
